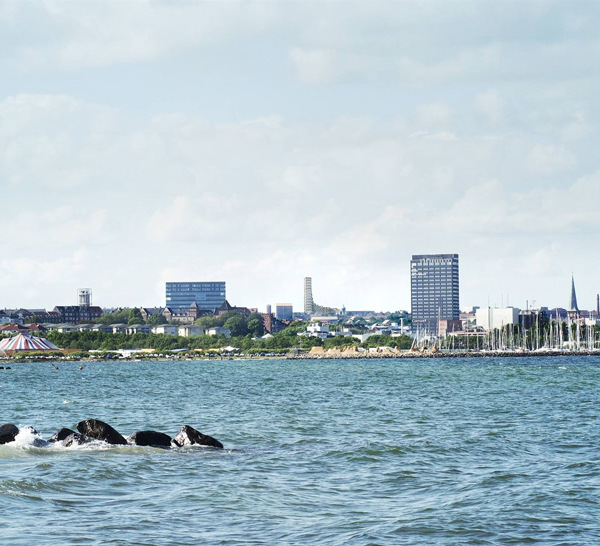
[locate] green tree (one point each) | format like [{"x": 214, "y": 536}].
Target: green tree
[
  {"x": 255, "y": 325},
  {"x": 237, "y": 325},
  {"x": 207, "y": 321},
  {"x": 120, "y": 316},
  {"x": 157, "y": 319},
  {"x": 135, "y": 317}
]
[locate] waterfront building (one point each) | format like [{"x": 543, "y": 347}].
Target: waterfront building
[
  {"x": 489, "y": 318},
  {"x": 447, "y": 327},
  {"x": 208, "y": 296},
  {"x": 434, "y": 291},
  {"x": 284, "y": 311},
  {"x": 531, "y": 317}
]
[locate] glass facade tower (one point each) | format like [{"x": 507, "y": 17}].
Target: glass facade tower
[
  {"x": 433, "y": 290},
  {"x": 207, "y": 295}
]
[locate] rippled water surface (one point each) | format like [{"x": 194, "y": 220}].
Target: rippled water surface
[{"x": 443, "y": 451}]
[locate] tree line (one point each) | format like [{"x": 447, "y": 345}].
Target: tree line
[{"x": 281, "y": 342}]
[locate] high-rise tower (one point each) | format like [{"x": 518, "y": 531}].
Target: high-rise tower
[
  {"x": 434, "y": 290},
  {"x": 309, "y": 304}
]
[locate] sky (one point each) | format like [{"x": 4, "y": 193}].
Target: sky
[{"x": 258, "y": 143}]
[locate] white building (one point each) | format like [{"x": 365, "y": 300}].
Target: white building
[
  {"x": 190, "y": 330},
  {"x": 168, "y": 329},
  {"x": 318, "y": 330},
  {"x": 490, "y": 318},
  {"x": 218, "y": 331}
]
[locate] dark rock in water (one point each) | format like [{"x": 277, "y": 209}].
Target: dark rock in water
[
  {"x": 99, "y": 430},
  {"x": 151, "y": 438},
  {"x": 76, "y": 439},
  {"x": 8, "y": 433},
  {"x": 189, "y": 436},
  {"x": 61, "y": 435}
]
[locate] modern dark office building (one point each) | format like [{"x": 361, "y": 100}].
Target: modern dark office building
[
  {"x": 284, "y": 311},
  {"x": 207, "y": 295},
  {"x": 433, "y": 291}
]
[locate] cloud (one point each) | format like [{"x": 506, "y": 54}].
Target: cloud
[
  {"x": 38, "y": 271},
  {"x": 73, "y": 36},
  {"x": 435, "y": 114},
  {"x": 490, "y": 105},
  {"x": 315, "y": 66},
  {"x": 418, "y": 43},
  {"x": 550, "y": 159}
]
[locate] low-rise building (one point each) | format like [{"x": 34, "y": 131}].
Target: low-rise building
[
  {"x": 227, "y": 307},
  {"x": 218, "y": 331},
  {"x": 138, "y": 329},
  {"x": 13, "y": 328},
  {"x": 167, "y": 329},
  {"x": 490, "y": 318},
  {"x": 447, "y": 327},
  {"x": 189, "y": 330},
  {"x": 104, "y": 328},
  {"x": 317, "y": 330},
  {"x": 66, "y": 328},
  {"x": 119, "y": 328},
  {"x": 271, "y": 324},
  {"x": 530, "y": 317}
]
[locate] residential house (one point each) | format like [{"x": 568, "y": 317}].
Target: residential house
[
  {"x": 218, "y": 331},
  {"x": 188, "y": 330}
]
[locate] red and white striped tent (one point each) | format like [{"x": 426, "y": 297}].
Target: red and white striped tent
[{"x": 26, "y": 342}]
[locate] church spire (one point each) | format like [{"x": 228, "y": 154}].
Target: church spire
[{"x": 573, "y": 303}]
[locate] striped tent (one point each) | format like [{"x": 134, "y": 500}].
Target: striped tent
[{"x": 26, "y": 342}]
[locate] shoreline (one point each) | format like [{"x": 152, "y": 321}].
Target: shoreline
[
  {"x": 321, "y": 356},
  {"x": 442, "y": 354}
]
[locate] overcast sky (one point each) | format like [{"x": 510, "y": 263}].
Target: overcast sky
[{"x": 262, "y": 142}]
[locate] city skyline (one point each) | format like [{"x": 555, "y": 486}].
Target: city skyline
[{"x": 264, "y": 142}]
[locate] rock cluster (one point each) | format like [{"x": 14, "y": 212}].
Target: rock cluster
[{"x": 94, "y": 429}]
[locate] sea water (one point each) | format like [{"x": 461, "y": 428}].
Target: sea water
[{"x": 398, "y": 451}]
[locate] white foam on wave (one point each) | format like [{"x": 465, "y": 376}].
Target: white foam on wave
[
  {"x": 28, "y": 437},
  {"x": 92, "y": 445}
]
